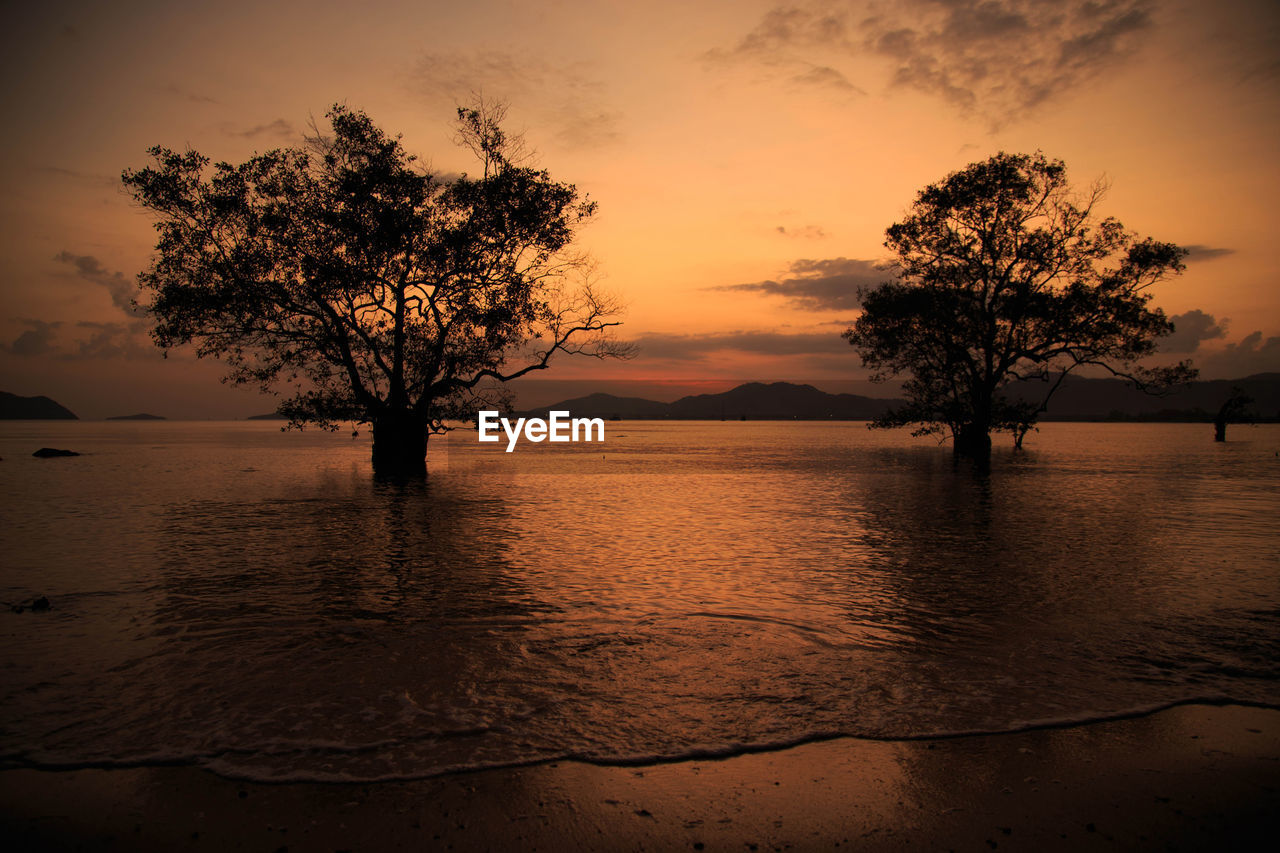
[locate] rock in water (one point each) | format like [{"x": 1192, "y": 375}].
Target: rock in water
[
  {"x": 39, "y": 604},
  {"x": 48, "y": 452}
]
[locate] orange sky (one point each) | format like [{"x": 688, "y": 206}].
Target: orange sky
[{"x": 746, "y": 156}]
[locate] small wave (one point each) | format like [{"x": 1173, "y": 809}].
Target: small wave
[{"x": 239, "y": 763}]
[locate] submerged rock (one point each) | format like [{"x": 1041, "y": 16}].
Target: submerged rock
[
  {"x": 39, "y": 604},
  {"x": 49, "y": 452}
]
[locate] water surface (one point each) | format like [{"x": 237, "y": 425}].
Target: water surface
[{"x": 254, "y": 602}]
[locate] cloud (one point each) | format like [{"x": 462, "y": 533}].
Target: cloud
[
  {"x": 702, "y": 347},
  {"x": 123, "y": 290},
  {"x": 279, "y": 129},
  {"x": 1190, "y": 329},
  {"x": 37, "y": 340},
  {"x": 562, "y": 96},
  {"x": 824, "y": 76},
  {"x": 193, "y": 97},
  {"x": 820, "y": 285},
  {"x": 806, "y": 232},
  {"x": 994, "y": 58},
  {"x": 127, "y": 339},
  {"x": 113, "y": 340},
  {"x": 584, "y": 128},
  {"x": 1199, "y": 252},
  {"x": 1251, "y": 355},
  {"x": 82, "y": 177}
]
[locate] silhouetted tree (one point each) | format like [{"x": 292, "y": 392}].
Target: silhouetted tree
[
  {"x": 382, "y": 292},
  {"x": 1005, "y": 274},
  {"x": 1234, "y": 409}
]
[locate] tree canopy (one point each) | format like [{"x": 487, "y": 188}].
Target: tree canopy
[
  {"x": 1005, "y": 274},
  {"x": 379, "y": 291}
]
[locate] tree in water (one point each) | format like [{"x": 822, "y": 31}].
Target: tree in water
[
  {"x": 1004, "y": 274},
  {"x": 1235, "y": 408},
  {"x": 381, "y": 292}
]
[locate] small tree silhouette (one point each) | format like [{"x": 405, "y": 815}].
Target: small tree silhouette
[{"x": 1235, "y": 409}]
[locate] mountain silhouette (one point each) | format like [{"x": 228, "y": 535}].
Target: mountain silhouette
[
  {"x": 1114, "y": 399},
  {"x": 753, "y": 401},
  {"x": 1078, "y": 399},
  {"x": 13, "y": 407}
]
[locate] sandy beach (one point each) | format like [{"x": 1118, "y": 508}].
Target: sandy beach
[{"x": 1193, "y": 777}]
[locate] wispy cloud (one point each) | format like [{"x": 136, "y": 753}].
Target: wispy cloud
[
  {"x": 1199, "y": 252},
  {"x": 278, "y": 129},
  {"x": 86, "y": 178},
  {"x": 704, "y": 347},
  {"x": 802, "y": 232},
  {"x": 193, "y": 97},
  {"x": 820, "y": 285},
  {"x": 824, "y": 77},
  {"x": 566, "y": 97}
]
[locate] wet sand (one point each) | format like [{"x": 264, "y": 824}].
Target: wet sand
[{"x": 1189, "y": 778}]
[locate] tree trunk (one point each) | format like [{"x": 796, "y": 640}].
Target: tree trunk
[
  {"x": 973, "y": 440},
  {"x": 399, "y": 444}
]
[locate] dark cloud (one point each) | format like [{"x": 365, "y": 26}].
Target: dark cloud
[
  {"x": 1199, "y": 252},
  {"x": 995, "y": 58},
  {"x": 1251, "y": 355},
  {"x": 123, "y": 290},
  {"x": 86, "y": 340},
  {"x": 821, "y": 285},
  {"x": 36, "y": 340},
  {"x": 1190, "y": 329},
  {"x": 113, "y": 340},
  {"x": 703, "y": 347},
  {"x": 562, "y": 96}
]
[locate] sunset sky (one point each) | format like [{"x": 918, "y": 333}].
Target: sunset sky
[{"x": 746, "y": 156}]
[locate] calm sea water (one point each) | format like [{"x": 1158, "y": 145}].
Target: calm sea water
[{"x": 254, "y": 602}]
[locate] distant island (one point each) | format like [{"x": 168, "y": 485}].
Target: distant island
[
  {"x": 1078, "y": 400},
  {"x": 752, "y": 401},
  {"x": 1116, "y": 400},
  {"x": 15, "y": 408}
]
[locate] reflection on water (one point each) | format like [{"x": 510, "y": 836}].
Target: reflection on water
[{"x": 255, "y": 602}]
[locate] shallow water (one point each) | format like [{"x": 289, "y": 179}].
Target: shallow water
[{"x": 254, "y": 602}]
